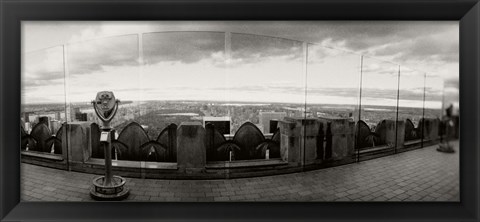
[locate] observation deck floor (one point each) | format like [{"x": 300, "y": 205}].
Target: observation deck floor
[{"x": 418, "y": 175}]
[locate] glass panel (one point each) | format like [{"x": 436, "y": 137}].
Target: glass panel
[
  {"x": 433, "y": 108},
  {"x": 333, "y": 80},
  {"x": 266, "y": 83},
  {"x": 269, "y": 73},
  {"x": 378, "y": 106},
  {"x": 183, "y": 80},
  {"x": 433, "y": 96},
  {"x": 106, "y": 64},
  {"x": 43, "y": 100},
  {"x": 410, "y": 105}
]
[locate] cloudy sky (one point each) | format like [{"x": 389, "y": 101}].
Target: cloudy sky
[{"x": 258, "y": 61}]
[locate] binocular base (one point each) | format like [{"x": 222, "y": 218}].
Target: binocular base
[{"x": 113, "y": 192}]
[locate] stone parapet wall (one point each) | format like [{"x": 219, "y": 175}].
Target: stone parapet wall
[
  {"x": 304, "y": 144},
  {"x": 339, "y": 136},
  {"x": 191, "y": 150}
]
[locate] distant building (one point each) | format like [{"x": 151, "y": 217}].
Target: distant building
[
  {"x": 273, "y": 125},
  {"x": 81, "y": 117},
  {"x": 45, "y": 120},
  {"x": 27, "y": 127},
  {"x": 266, "y": 117},
  {"x": 91, "y": 117},
  {"x": 309, "y": 114},
  {"x": 26, "y": 117},
  {"x": 55, "y": 126},
  {"x": 73, "y": 113},
  {"x": 222, "y": 124}
]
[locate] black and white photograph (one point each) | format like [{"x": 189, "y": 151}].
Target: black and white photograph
[{"x": 229, "y": 111}]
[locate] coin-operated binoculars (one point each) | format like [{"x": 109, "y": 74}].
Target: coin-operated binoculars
[{"x": 107, "y": 187}]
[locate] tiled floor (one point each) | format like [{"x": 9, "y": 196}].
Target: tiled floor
[{"x": 419, "y": 175}]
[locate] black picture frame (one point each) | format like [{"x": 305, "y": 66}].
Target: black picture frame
[{"x": 14, "y": 11}]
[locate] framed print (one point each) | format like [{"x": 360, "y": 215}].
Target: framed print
[{"x": 239, "y": 110}]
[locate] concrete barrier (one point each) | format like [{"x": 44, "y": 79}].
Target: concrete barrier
[
  {"x": 341, "y": 132},
  {"x": 191, "y": 147}
]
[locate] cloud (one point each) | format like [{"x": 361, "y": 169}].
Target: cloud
[
  {"x": 27, "y": 84},
  {"x": 425, "y": 48},
  {"x": 183, "y": 47},
  {"x": 452, "y": 83},
  {"x": 377, "y": 67},
  {"x": 43, "y": 75},
  {"x": 191, "y": 47},
  {"x": 246, "y": 48},
  {"x": 90, "y": 56}
]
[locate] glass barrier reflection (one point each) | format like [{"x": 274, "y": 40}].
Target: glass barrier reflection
[
  {"x": 332, "y": 96},
  {"x": 376, "y": 135},
  {"x": 433, "y": 109},
  {"x": 106, "y": 64},
  {"x": 266, "y": 83},
  {"x": 184, "y": 81},
  {"x": 239, "y": 88},
  {"x": 410, "y": 107},
  {"x": 43, "y": 103}
]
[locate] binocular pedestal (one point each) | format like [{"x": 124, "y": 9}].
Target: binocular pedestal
[{"x": 108, "y": 187}]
